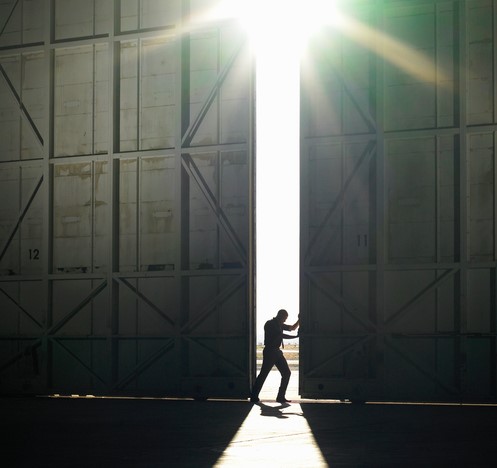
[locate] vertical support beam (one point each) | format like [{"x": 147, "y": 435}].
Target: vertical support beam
[
  {"x": 92, "y": 214},
  {"x": 436, "y": 58},
  {"x": 438, "y": 254},
  {"x": 493, "y": 271},
  {"x": 304, "y": 237},
  {"x": 218, "y": 177},
  {"x": 183, "y": 267},
  {"x": 113, "y": 286},
  {"x": 138, "y": 213},
  {"x": 495, "y": 195},
  {"x": 139, "y": 62},
  {"x": 112, "y": 323},
  {"x": 342, "y": 205},
  {"x": 494, "y": 58},
  {"x": 182, "y": 190},
  {"x": 493, "y": 333},
  {"x": 462, "y": 238},
  {"x": 375, "y": 97},
  {"x": 380, "y": 203},
  {"x": 47, "y": 188},
  {"x": 117, "y": 18},
  {"x": 438, "y": 174},
  {"x": 115, "y": 84},
  {"x": 252, "y": 241}
]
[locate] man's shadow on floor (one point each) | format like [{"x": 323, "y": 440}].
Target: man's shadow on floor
[{"x": 276, "y": 411}]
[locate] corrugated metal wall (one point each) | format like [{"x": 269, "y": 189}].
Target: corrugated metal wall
[
  {"x": 126, "y": 169},
  {"x": 398, "y": 261}
]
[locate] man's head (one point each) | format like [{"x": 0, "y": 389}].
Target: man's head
[{"x": 282, "y": 315}]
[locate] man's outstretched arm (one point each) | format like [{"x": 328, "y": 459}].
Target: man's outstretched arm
[
  {"x": 288, "y": 337},
  {"x": 295, "y": 325}
]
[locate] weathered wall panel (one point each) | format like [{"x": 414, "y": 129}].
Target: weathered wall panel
[
  {"x": 148, "y": 97},
  {"x": 81, "y": 107},
  {"x": 22, "y": 132},
  {"x": 145, "y": 14}
]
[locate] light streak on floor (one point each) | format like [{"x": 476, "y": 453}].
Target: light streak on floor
[{"x": 273, "y": 435}]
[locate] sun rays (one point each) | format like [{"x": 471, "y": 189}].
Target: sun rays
[
  {"x": 293, "y": 25},
  {"x": 280, "y": 34}
]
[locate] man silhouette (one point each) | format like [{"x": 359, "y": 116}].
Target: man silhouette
[{"x": 273, "y": 356}]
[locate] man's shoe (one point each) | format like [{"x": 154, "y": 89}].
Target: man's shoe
[
  {"x": 283, "y": 400},
  {"x": 254, "y": 400}
]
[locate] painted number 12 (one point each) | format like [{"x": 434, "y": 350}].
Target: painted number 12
[{"x": 34, "y": 254}]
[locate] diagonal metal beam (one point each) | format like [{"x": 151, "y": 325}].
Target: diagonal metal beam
[
  {"x": 430, "y": 287},
  {"x": 365, "y": 115},
  {"x": 31, "y": 347},
  {"x": 448, "y": 388},
  {"x": 145, "y": 299},
  {"x": 21, "y": 217},
  {"x": 20, "y": 307},
  {"x": 339, "y": 201},
  {"x": 7, "y": 19},
  {"x": 225, "y": 294},
  {"x": 362, "y": 340},
  {"x": 76, "y": 358},
  {"x": 329, "y": 291},
  {"x": 22, "y": 107},
  {"x": 93, "y": 293},
  {"x": 221, "y": 218},
  {"x": 194, "y": 126},
  {"x": 223, "y": 358},
  {"x": 144, "y": 365},
  {"x": 38, "y": 341}
]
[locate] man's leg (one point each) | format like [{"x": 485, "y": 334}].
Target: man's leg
[
  {"x": 268, "y": 359},
  {"x": 285, "y": 372}
]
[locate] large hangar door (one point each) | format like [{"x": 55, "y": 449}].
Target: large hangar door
[
  {"x": 126, "y": 160},
  {"x": 398, "y": 207}
]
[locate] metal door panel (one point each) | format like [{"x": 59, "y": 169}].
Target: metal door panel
[
  {"x": 127, "y": 250},
  {"x": 411, "y": 316}
]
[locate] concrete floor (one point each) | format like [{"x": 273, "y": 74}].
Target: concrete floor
[{"x": 98, "y": 432}]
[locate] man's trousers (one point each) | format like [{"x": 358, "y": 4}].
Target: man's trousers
[{"x": 272, "y": 357}]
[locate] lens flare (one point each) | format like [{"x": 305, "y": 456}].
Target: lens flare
[{"x": 291, "y": 25}]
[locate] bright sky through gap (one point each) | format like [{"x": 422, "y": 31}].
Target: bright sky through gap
[
  {"x": 278, "y": 32},
  {"x": 277, "y": 181}
]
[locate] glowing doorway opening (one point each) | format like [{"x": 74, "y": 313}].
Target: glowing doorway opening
[
  {"x": 277, "y": 183},
  {"x": 278, "y": 32}
]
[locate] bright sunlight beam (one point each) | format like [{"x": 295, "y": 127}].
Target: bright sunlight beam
[
  {"x": 277, "y": 190},
  {"x": 392, "y": 50},
  {"x": 283, "y": 438},
  {"x": 277, "y": 20},
  {"x": 278, "y": 32}
]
